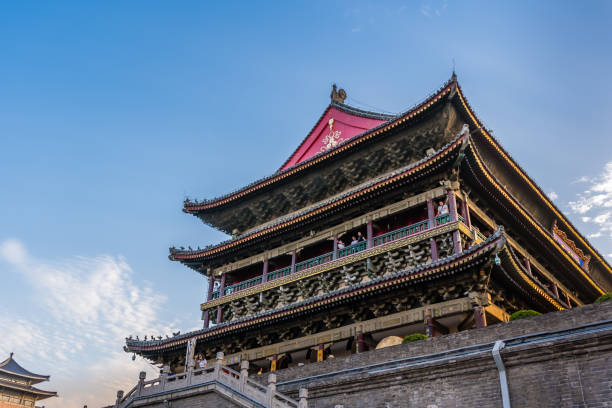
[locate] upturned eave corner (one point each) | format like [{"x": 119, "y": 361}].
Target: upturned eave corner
[{"x": 477, "y": 127}]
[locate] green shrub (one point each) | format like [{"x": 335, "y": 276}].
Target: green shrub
[
  {"x": 604, "y": 297},
  {"x": 521, "y": 314},
  {"x": 414, "y": 337}
]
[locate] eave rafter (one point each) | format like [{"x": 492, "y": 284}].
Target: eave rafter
[
  {"x": 424, "y": 166},
  {"x": 479, "y": 254},
  {"x": 477, "y": 124},
  {"x": 525, "y": 216}
]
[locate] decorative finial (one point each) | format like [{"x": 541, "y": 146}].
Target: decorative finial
[
  {"x": 11, "y": 355},
  {"x": 338, "y": 95}
]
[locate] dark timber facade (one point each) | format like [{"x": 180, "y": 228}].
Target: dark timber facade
[{"x": 283, "y": 293}]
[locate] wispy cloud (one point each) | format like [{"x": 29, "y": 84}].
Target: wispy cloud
[
  {"x": 553, "y": 196},
  {"x": 429, "y": 10},
  {"x": 86, "y": 307},
  {"x": 595, "y": 202}
]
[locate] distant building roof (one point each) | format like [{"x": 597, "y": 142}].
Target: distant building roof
[{"x": 10, "y": 366}]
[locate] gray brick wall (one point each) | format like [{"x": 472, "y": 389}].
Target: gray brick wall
[{"x": 571, "y": 366}]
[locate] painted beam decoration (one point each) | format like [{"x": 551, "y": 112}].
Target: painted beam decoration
[{"x": 570, "y": 247}]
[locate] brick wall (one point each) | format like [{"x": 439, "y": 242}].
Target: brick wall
[
  {"x": 570, "y": 368},
  {"x": 560, "y": 359}
]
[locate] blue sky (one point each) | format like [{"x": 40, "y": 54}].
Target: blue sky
[{"x": 112, "y": 113}]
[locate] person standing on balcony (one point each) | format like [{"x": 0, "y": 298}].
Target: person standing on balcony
[
  {"x": 340, "y": 244},
  {"x": 354, "y": 240},
  {"x": 442, "y": 208},
  {"x": 202, "y": 363},
  {"x": 360, "y": 237}
]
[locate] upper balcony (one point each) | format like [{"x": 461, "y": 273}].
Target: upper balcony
[
  {"x": 418, "y": 217},
  {"x": 354, "y": 248}
]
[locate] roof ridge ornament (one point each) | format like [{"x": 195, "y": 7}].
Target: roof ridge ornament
[{"x": 338, "y": 95}]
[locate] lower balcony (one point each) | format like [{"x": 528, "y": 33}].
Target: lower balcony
[{"x": 375, "y": 241}]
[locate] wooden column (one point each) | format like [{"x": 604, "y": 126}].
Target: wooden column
[
  {"x": 370, "y": 233},
  {"x": 480, "y": 319},
  {"x": 335, "y": 256},
  {"x": 431, "y": 213},
  {"x": 457, "y": 242},
  {"x": 211, "y": 284},
  {"x": 452, "y": 205},
  {"x": 466, "y": 215},
  {"x": 293, "y": 256},
  {"x": 452, "y": 209},
  {"x": 431, "y": 216},
  {"x": 221, "y": 294},
  {"x": 266, "y": 265}
]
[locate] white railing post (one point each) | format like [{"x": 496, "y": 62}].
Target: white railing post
[
  {"x": 244, "y": 373},
  {"x": 163, "y": 376},
  {"x": 141, "y": 379},
  {"x": 303, "y": 403},
  {"x": 119, "y": 398},
  {"x": 271, "y": 389},
  {"x": 220, "y": 356}
]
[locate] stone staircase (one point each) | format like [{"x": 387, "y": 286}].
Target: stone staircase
[{"x": 233, "y": 386}]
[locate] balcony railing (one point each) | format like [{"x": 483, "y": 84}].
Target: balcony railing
[
  {"x": 242, "y": 285},
  {"x": 442, "y": 219},
  {"x": 309, "y": 263},
  {"x": 349, "y": 250},
  {"x": 352, "y": 249},
  {"x": 279, "y": 273},
  {"x": 402, "y": 232}
]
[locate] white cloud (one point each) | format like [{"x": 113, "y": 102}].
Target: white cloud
[
  {"x": 553, "y": 196},
  {"x": 429, "y": 11},
  {"x": 356, "y": 29},
  {"x": 13, "y": 251},
  {"x": 84, "y": 309},
  {"x": 595, "y": 201},
  {"x": 582, "y": 179}
]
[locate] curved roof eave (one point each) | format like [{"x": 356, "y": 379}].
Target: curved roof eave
[
  {"x": 199, "y": 207},
  {"x": 506, "y": 156},
  {"x": 495, "y": 240},
  {"x": 518, "y": 206},
  {"x": 456, "y": 143},
  {"x": 10, "y": 366}
]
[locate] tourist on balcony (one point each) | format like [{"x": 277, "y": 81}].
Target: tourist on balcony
[
  {"x": 354, "y": 240},
  {"x": 360, "y": 237},
  {"x": 340, "y": 244},
  {"x": 442, "y": 208},
  {"x": 202, "y": 363}
]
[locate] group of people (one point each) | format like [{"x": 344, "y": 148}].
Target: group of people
[{"x": 355, "y": 239}]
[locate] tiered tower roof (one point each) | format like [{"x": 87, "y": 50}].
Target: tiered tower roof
[{"x": 17, "y": 381}]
